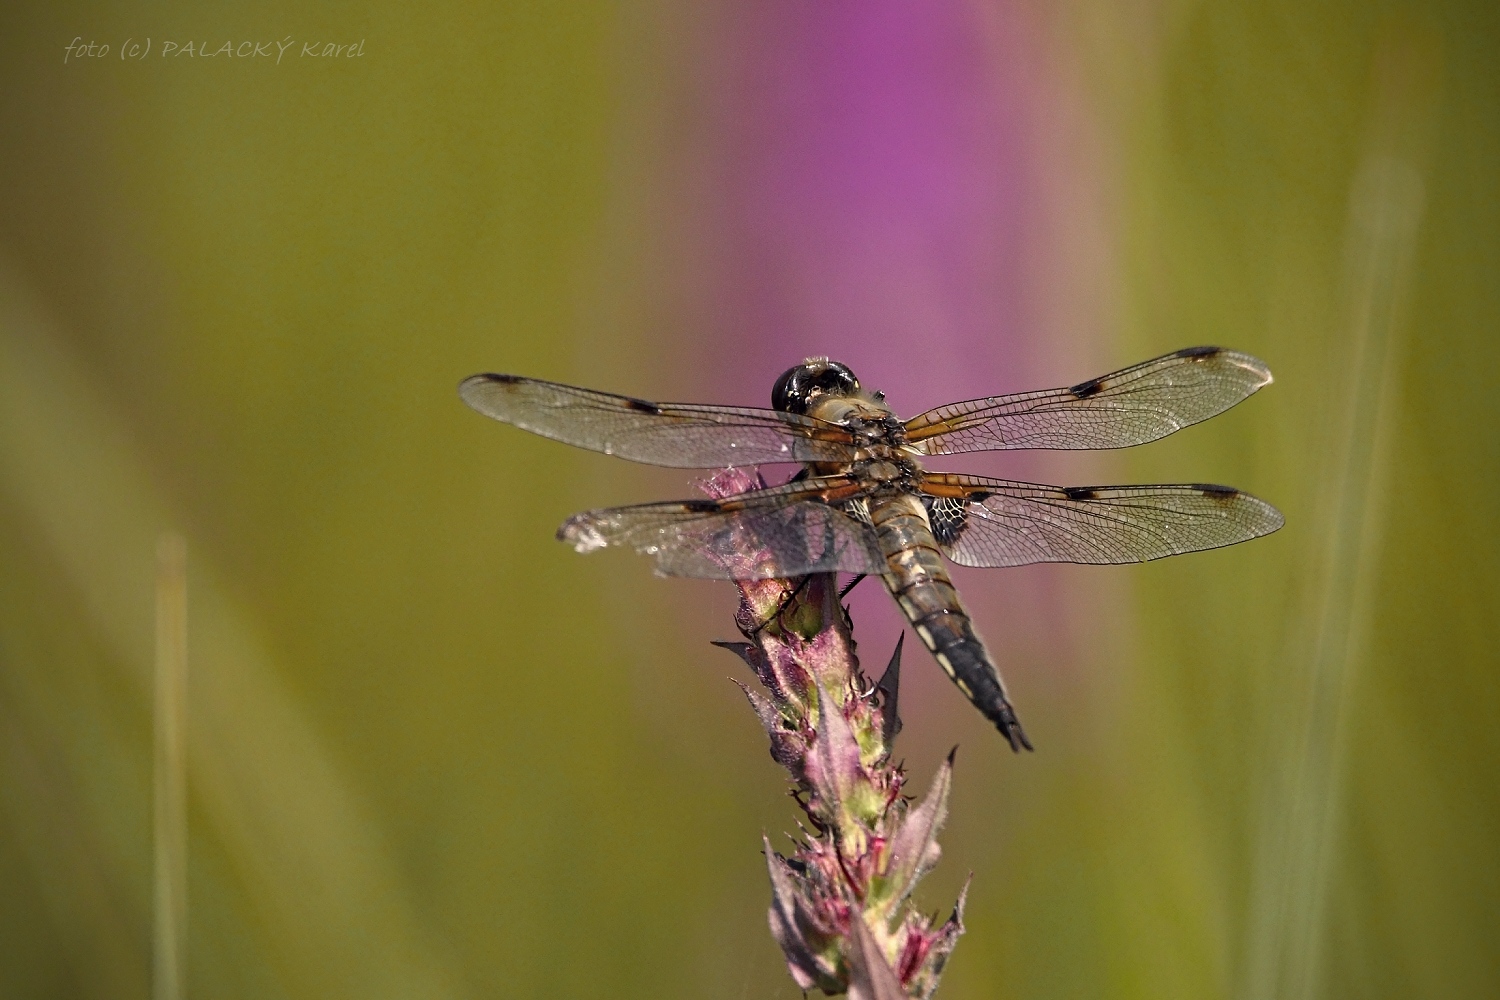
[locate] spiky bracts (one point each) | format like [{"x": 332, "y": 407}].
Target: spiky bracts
[{"x": 840, "y": 901}]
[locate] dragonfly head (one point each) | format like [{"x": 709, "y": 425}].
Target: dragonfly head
[{"x": 797, "y": 387}]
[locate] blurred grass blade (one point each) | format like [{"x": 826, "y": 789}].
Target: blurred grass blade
[
  {"x": 321, "y": 892},
  {"x": 169, "y": 768},
  {"x": 1302, "y": 830}
]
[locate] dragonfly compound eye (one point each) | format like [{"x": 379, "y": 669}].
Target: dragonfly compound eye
[{"x": 794, "y": 391}]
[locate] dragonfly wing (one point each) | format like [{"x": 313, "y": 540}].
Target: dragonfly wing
[
  {"x": 1128, "y": 407},
  {"x": 996, "y": 522},
  {"x": 784, "y": 531},
  {"x": 685, "y": 436}
]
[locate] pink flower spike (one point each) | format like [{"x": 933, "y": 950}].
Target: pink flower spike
[{"x": 849, "y": 879}]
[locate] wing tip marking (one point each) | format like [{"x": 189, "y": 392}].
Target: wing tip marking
[
  {"x": 484, "y": 378},
  {"x": 1246, "y": 361},
  {"x": 1222, "y": 494}
]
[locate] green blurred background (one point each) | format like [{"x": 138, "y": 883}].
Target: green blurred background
[{"x": 432, "y": 753}]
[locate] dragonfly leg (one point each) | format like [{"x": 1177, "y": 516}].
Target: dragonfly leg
[{"x": 850, "y": 586}]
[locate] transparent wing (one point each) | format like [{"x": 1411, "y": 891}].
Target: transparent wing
[
  {"x": 784, "y": 531},
  {"x": 684, "y": 436},
  {"x": 1128, "y": 407},
  {"x": 995, "y": 522}
]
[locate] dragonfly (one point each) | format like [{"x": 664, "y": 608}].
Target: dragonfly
[{"x": 864, "y": 504}]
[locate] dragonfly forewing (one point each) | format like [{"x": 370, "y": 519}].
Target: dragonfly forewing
[
  {"x": 1132, "y": 406},
  {"x": 679, "y": 435}
]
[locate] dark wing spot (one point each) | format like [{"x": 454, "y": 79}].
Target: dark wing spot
[
  {"x": 1222, "y": 493},
  {"x": 1081, "y": 492},
  {"x": 1198, "y": 352},
  {"x": 948, "y": 516},
  {"x": 642, "y": 405},
  {"x": 1083, "y": 390},
  {"x": 700, "y": 506}
]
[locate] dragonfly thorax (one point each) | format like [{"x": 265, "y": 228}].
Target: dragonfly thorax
[{"x": 886, "y": 472}]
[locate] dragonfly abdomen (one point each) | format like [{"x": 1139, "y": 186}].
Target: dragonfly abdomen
[{"x": 916, "y": 577}]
